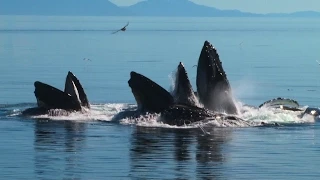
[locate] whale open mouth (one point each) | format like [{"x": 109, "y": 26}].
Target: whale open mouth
[
  {"x": 75, "y": 89},
  {"x": 280, "y": 102},
  {"x": 73, "y": 98},
  {"x": 52, "y": 98}
]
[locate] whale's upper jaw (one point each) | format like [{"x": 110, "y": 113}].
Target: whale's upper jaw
[
  {"x": 50, "y": 97},
  {"x": 149, "y": 95},
  {"x": 75, "y": 89},
  {"x": 209, "y": 62},
  {"x": 213, "y": 86}
]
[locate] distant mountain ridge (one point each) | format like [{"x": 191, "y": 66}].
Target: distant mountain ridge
[
  {"x": 61, "y": 7},
  {"x": 181, "y": 8}
]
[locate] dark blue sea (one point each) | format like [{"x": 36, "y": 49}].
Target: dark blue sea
[{"x": 264, "y": 58}]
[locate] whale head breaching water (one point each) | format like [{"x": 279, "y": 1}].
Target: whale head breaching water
[
  {"x": 50, "y": 98},
  {"x": 151, "y": 97},
  {"x": 183, "y": 92},
  {"x": 213, "y": 87},
  {"x": 282, "y": 103},
  {"x": 75, "y": 89}
]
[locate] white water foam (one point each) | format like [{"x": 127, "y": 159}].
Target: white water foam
[
  {"x": 251, "y": 117},
  {"x": 271, "y": 115},
  {"x": 97, "y": 112}
]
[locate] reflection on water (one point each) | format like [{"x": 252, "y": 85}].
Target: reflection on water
[
  {"x": 209, "y": 153},
  {"x": 56, "y": 142},
  {"x": 154, "y": 151},
  {"x": 74, "y": 150},
  {"x": 147, "y": 145},
  {"x": 182, "y": 142}
]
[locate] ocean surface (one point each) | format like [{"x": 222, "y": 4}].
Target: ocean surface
[{"x": 264, "y": 58}]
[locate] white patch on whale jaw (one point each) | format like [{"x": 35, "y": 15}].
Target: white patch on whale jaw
[{"x": 72, "y": 90}]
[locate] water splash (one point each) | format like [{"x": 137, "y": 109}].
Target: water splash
[
  {"x": 244, "y": 87},
  {"x": 98, "y": 112},
  {"x": 271, "y": 115},
  {"x": 108, "y": 112}
]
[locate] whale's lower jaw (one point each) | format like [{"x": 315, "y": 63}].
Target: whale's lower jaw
[{"x": 37, "y": 111}]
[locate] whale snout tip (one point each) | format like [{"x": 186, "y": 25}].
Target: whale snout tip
[
  {"x": 132, "y": 73},
  {"x": 37, "y": 83},
  {"x": 133, "y": 78},
  {"x": 181, "y": 64},
  {"x": 70, "y": 74},
  {"x": 208, "y": 45}
]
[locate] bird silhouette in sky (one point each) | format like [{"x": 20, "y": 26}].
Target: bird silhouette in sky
[
  {"x": 122, "y": 29},
  {"x": 86, "y": 59}
]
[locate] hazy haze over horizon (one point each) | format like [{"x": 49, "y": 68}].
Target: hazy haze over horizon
[{"x": 254, "y": 6}]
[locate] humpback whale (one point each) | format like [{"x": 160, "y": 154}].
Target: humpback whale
[
  {"x": 313, "y": 111},
  {"x": 213, "y": 88},
  {"x": 50, "y": 99},
  {"x": 290, "y": 105},
  {"x": 183, "y": 92},
  {"x": 282, "y": 103},
  {"x": 153, "y": 98},
  {"x": 181, "y": 114},
  {"x": 75, "y": 89}
]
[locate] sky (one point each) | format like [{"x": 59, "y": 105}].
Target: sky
[{"x": 254, "y": 6}]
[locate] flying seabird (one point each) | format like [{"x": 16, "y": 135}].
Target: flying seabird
[{"x": 122, "y": 29}]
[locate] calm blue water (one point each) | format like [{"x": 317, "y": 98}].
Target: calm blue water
[{"x": 263, "y": 58}]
